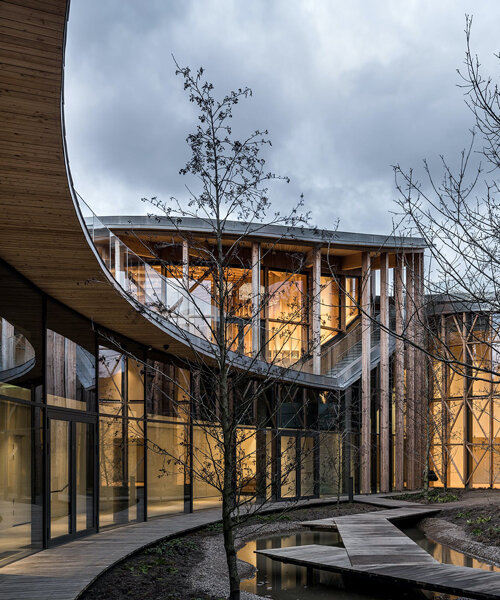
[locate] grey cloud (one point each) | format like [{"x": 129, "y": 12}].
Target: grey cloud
[{"x": 346, "y": 90}]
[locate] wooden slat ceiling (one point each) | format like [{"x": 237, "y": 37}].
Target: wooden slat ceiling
[{"x": 40, "y": 232}]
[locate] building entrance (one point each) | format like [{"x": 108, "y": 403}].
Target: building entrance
[{"x": 71, "y": 476}]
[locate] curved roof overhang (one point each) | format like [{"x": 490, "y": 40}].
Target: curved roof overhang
[{"x": 42, "y": 232}]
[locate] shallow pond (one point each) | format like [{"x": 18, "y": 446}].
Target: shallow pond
[{"x": 288, "y": 582}]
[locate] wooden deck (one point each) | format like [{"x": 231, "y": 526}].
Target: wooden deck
[
  {"x": 64, "y": 572},
  {"x": 375, "y": 548}
]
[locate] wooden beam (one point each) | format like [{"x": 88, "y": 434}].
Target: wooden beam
[
  {"x": 399, "y": 377},
  {"x": 352, "y": 261},
  {"x": 384, "y": 377},
  {"x": 365, "y": 375}
]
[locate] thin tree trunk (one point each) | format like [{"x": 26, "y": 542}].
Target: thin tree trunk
[{"x": 228, "y": 530}]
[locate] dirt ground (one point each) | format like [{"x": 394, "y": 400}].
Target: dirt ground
[
  {"x": 482, "y": 523},
  {"x": 167, "y": 570}
]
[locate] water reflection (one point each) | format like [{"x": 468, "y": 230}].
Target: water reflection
[
  {"x": 287, "y": 582},
  {"x": 280, "y": 581},
  {"x": 444, "y": 554}
]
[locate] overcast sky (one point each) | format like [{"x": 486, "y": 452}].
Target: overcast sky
[{"x": 346, "y": 89}]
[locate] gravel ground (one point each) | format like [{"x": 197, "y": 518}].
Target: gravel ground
[
  {"x": 212, "y": 570},
  {"x": 452, "y": 535},
  {"x": 194, "y": 565}
]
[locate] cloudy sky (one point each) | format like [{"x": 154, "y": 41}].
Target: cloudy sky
[{"x": 346, "y": 89}]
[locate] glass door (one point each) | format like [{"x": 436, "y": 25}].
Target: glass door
[
  {"x": 298, "y": 462},
  {"x": 71, "y": 477}
]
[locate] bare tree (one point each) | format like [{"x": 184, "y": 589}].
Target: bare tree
[
  {"x": 236, "y": 392},
  {"x": 457, "y": 214}
]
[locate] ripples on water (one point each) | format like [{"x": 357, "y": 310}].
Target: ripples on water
[{"x": 280, "y": 581}]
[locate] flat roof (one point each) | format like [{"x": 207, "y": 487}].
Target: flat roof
[{"x": 311, "y": 235}]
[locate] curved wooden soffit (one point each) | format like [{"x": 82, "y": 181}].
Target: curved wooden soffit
[{"x": 41, "y": 233}]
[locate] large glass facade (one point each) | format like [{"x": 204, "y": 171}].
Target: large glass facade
[
  {"x": 465, "y": 406},
  {"x": 287, "y": 317},
  {"x": 21, "y": 434},
  {"x": 120, "y": 438}
]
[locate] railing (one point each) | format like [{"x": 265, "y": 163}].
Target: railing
[
  {"x": 166, "y": 296},
  {"x": 187, "y": 303},
  {"x": 335, "y": 353}
]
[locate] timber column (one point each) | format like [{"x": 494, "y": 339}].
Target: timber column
[
  {"x": 384, "y": 376},
  {"x": 256, "y": 303},
  {"x": 410, "y": 371},
  {"x": 316, "y": 311},
  {"x": 420, "y": 395},
  {"x": 365, "y": 373},
  {"x": 399, "y": 378}
]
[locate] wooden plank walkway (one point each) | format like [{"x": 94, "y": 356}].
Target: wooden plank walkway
[
  {"x": 64, "y": 572},
  {"x": 374, "y": 547}
]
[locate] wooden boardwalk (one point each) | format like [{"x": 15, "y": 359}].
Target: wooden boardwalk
[
  {"x": 375, "y": 548},
  {"x": 64, "y": 572}
]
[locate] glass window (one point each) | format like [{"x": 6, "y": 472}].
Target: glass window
[
  {"x": 21, "y": 338},
  {"x": 330, "y": 462},
  {"x": 121, "y": 452},
  {"x": 330, "y": 308},
  {"x": 307, "y": 466},
  {"x": 246, "y": 461},
  {"x": 135, "y": 388},
  {"x": 21, "y": 516},
  {"x": 288, "y": 457},
  {"x": 168, "y": 392},
  {"x": 60, "y": 485},
  {"x": 351, "y": 299},
  {"x": 287, "y": 296},
  {"x": 111, "y": 371},
  {"x": 167, "y": 457},
  {"x": 208, "y": 466},
  {"x": 70, "y": 373},
  {"x": 70, "y": 364},
  {"x": 291, "y": 409}
]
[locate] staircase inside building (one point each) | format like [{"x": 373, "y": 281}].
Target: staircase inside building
[{"x": 342, "y": 360}]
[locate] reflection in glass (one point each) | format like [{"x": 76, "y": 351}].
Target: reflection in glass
[
  {"x": 168, "y": 392},
  {"x": 84, "y": 476},
  {"x": 288, "y": 447},
  {"x": 121, "y": 447},
  {"x": 135, "y": 388},
  {"x": 307, "y": 466},
  {"x": 208, "y": 466},
  {"x": 111, "y": 369},
  {"x": 60, "y": 488},
  {"x": 351, "y": 299},
  {"x": 330, "y": 463},
  {"x": 17, "y": 510},
  {"x": 70, "y": 373},
  {"x": 330, "y": 308},
  {"x": 167, "y": 455}
]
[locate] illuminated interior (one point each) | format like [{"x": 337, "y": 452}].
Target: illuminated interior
[{"x": 466, "y": 404}]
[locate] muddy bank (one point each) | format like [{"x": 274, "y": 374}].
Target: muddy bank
[{"x": 450, "y": 534}]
